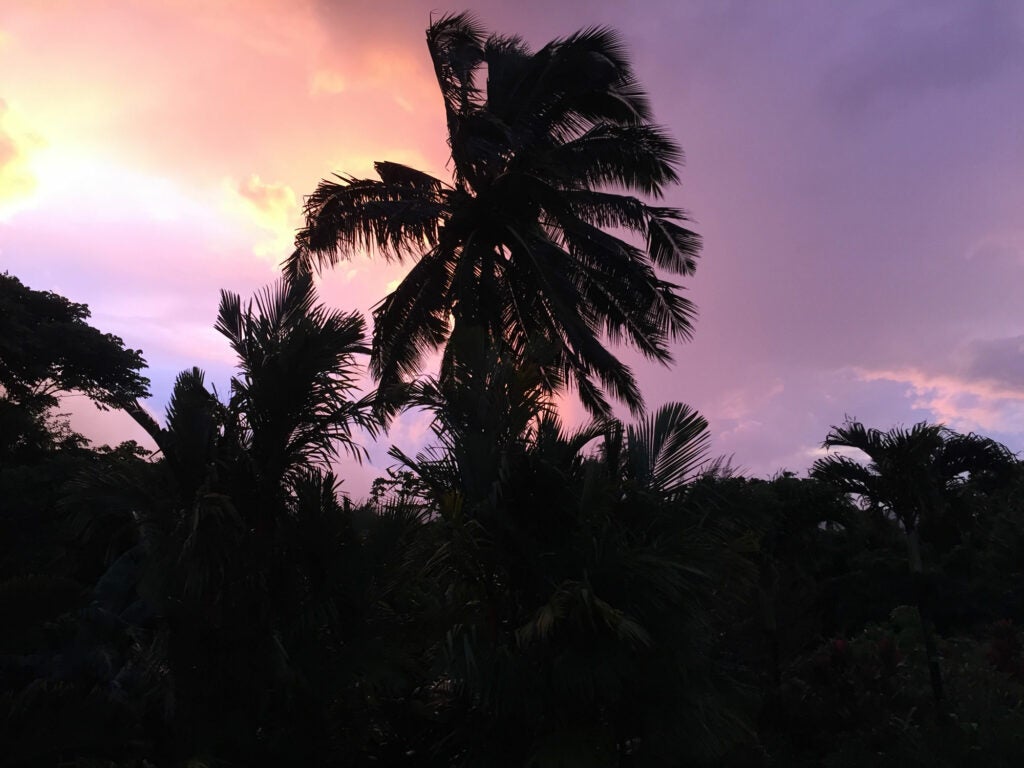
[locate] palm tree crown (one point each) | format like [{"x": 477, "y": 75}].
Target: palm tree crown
[
  {"x": 911, "y": 475},
  {"x": 545, "y": 156},
  {"x": 911, "y": 470}
]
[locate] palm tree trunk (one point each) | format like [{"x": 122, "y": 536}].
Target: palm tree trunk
[
  {"x": 770, "y": 625},
  {"x": 917, "y": 584}
]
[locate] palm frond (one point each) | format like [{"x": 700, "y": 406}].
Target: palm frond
[
  {"x": 397, "y": 216},
  {"x": 667, "y": 449},
  {"x": 412, "y": 320},
  {"x": 571, "y": 85},
  {"x": 297, "y": 365},
  {"x": 671, "y": 246},
  {"x": 845, "y": 473},
  {"x": 631, "y": 157},
  {"x": 456, "y": 45}
]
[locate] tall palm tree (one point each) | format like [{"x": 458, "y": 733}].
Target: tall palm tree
[
  {"x": 533, "y": 240},
  {"x": 911, "y": 474}
]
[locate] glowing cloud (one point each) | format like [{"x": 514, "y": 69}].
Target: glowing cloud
[
  {"x": 327, "y": 81},
  {"x": 960, "y": 402},
  {"x": 272, "y": 206},
  {"x": 17, "y": 180}
]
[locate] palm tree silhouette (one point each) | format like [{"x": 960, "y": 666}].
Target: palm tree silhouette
[
  {"x": 579, "y": 581},
  {"x": 911, "y": 475},
  {"x": 546, "y": 156},
  {"x": 249, "y": 491}
]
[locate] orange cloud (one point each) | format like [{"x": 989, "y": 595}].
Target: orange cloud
[
  {"x": 961, "y": 402},
  {"x": 17, "y": 180},
  {"x": 272, "y": 206},
  {"x": 273, "y": 199},
  {"x": 327, "y": 81}
]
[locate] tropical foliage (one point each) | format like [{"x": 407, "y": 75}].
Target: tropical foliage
[
  {"x": 914, "y": 475},
  {"x": 516, "y": 593},
  {"x": 527, "y": 243}
]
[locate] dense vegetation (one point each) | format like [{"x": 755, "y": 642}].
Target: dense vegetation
[{"x": 519, "y": 594}]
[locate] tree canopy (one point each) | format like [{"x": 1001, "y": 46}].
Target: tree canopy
[
  {"x": 46, "y": 347},
  {"x": 532, "y": 242}
]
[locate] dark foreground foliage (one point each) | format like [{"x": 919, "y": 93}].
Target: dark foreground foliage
[{"x": 517, "y": 595}]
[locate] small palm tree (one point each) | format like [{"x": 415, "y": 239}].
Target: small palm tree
[
  {"x": 911, "y": 475},
  {"x": 528, "y": 243},
  {"x": 579, "y": 585},
  {"x": 248, "y": 486}
]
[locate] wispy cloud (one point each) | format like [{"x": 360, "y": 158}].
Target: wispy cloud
[{"x": 911, "y": 51}]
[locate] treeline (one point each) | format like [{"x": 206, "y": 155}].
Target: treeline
[{"x": 519, "y": 594}]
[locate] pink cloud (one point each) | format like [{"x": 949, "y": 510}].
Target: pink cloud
[
  {"x": 274, "y": 208},
  {"x": 960, "y": 402},
  {"x": 271, "y": 198}
]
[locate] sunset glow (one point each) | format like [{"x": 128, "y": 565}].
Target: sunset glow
[{"x": 855, "y": 170}]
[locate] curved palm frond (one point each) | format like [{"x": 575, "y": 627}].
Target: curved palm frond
[
  {"x": 981, "y": 458},
  {"x": 397, "y": 217},
  {"x": 667, "y": 449}
]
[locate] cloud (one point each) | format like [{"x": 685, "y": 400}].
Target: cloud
[
  {"x": 1001, "y": 250},
  {"x": 1000, "y": 361},
  {"x": 275, "y": 200},
  {"x": 273, "y": 207},
  {"x": 908, "y": 52},
  {"x": 17, "y": 142},
  {"x": 327, "y": 81},
  {"x": 148, "y": 255},
  {"x": 984, "y": 392}
]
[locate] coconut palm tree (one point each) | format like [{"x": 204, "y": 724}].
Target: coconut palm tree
[
  {"x": 533, "y": 241},
  {"x": 911, "y": 475}
]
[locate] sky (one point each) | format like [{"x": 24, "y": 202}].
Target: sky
[{"x": 856, "y": 171}]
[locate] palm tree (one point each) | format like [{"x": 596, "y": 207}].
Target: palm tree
[
  {"x": 579, "y": 586},
  {"x": 247, "y": 489},
  {"x": 911, "y": 475},
  {"x": 546, "y": 157}
]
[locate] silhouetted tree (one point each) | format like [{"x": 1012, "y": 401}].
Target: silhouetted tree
[
  {"x": 47, "y": 348},
  {"x": 524, "y": 245},
  {"x": 911, "y": 476},
  {"x": 578, "y": 586},
  {"x": 65, "y": 647},
  {"x": 228, "y": 538}
]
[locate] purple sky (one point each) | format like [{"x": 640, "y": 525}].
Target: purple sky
[{"x": 855, "y": 170}]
